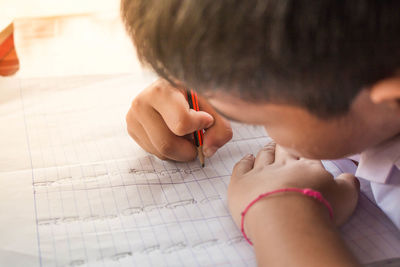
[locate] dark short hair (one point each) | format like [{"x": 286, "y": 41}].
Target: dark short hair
[{"x": 314, "y": 54}]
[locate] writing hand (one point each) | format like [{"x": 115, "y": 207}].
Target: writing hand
[{"x": 160, "y": 121}]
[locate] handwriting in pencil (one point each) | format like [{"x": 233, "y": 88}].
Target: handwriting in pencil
[
  {"x": 180, "y": 203},
  {"x": 168, "y": 249},
  {"x": 148, "y": 250},
  {"x": 95, "y": 179},
  {"x": 69, "y": 180},
  {"x": 148, "y": 208},
  {"x": 77, "y": 263},
  {"x": 71, "y": 219},
  {"x": 205, "y": 244},
  {"x": 118, "y": 256},
  {"x": 174, "y": 247},
  {"x": 167, "y": 172},
  {"x": 127, "y": 212}
]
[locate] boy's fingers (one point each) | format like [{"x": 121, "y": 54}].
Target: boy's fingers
[
  {"x": 243, "y": 166},
  {"x": 346, "y": 200},
  {"x": 315, "y": 162},
  {"x": 164, "y": 141},
  {"x": 178, "y": 119},
  {"x": 137, "y": 132},
  {"x": 350, "y": 181},
  {"x": 266, "y": 155},
  {"x": 282, "y": 155},
  {"x": 218, "y": 134},
  {"x": 173, "y": 107}
]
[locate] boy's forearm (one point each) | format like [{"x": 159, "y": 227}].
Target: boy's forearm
[{"x": 295, "y": 230}]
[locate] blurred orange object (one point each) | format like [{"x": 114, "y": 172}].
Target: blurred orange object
[{"x": 9, "y": 63}]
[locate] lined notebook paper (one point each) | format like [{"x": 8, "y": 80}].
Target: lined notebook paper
[{"x": 77, "y": 191}]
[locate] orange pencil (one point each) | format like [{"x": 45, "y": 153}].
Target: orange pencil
[{"x": 197, "y": 135}]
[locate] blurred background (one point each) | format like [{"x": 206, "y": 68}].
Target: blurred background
[{"x": 64, "y": 38}]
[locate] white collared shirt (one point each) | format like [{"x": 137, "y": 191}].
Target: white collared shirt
[
  {"x": 381, "y": 166},
  {"x": 379, "y": 170}
]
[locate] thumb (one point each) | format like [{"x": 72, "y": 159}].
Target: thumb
[
  {"x": 218, "y": 134},
  {"x": 182, "y": 120},
  {"x": 199, "y": 120},
  {"x": 243, "y": 166},
  {"x": 173, "y": 107},
  {"x": 346, "y": 199}
]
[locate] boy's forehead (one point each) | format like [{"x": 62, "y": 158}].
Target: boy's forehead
[
  {"x": 213, "y": 94},
  {"x": 228, "y": 98},
  {"x": 220, "y": 101},
  {"x": 234, "y": 108}
]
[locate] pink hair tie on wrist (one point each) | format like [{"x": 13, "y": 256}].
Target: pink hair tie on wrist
[{"x": 307, "y": 192}]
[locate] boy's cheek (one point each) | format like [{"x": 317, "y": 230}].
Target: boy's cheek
[
  {"x": 288, "y": 139},
  {"x": 320, "y": 151}
]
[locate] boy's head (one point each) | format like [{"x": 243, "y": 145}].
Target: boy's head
[{"x": 316, "y": 58}]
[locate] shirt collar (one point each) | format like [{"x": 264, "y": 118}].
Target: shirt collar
[{"x": 377, "y": 163}]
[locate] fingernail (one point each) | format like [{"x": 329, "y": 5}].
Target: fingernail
[
  {"x": 210, "y": 120},
  {"x": 209, "y": 124},
  {"x": 209, "y": 151},
  {"x": 249, "y": 156}
]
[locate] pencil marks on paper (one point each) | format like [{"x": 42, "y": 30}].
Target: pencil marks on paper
[
  {"x": 164, "y": 249},
  {"x": 95, "y": 179},
  {"x": 165, "y": 173},
  {"x": 131, "y": 211}
]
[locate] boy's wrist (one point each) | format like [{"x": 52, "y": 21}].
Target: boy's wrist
[
  {"x": 286, "y": 208},
  {"x": 296, "y": 225}
]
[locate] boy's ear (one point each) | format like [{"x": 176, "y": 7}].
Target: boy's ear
[{"x": 387, "y": 92}]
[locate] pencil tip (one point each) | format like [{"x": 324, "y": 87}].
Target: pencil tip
[{"x": 202, "y": 165}]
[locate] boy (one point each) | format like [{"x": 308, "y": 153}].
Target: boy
[{"x": 323, "y": 78}]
